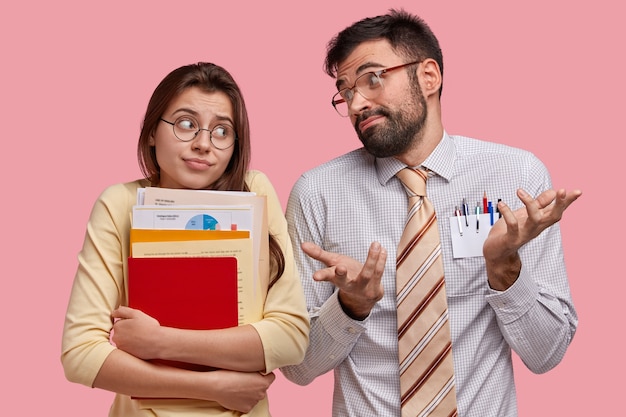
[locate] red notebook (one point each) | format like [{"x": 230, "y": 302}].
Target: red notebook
[{"x": 187, "y": 293}]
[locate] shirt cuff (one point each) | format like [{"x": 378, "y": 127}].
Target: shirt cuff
[
  {"x": 514, "y": 302},
  {"x": 338, "y": 324}
]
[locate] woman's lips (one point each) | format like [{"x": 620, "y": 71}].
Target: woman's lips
[{"x": 199, "y": 164}]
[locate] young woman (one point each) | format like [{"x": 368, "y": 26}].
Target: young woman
[{"x": 195, "y": 135}]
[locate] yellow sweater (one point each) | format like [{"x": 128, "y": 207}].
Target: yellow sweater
[{"x": 100, "y": 287}]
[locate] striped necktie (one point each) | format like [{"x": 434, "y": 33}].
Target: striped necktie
[{"x": 424, "y": 344}]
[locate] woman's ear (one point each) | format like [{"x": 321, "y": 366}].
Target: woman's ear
[{"x": 429, "y": 74}]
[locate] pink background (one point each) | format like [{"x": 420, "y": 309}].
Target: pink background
[{"x": 76, "y": 77}]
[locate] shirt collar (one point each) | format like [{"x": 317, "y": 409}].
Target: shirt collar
[{"x": 441, "y": 162}]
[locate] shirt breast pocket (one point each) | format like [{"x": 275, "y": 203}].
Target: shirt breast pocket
[{"x": 466, "y": 276}]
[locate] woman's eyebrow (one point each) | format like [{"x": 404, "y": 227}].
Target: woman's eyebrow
[{"x": 195, "y": 113}]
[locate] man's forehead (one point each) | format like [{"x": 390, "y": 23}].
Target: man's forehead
[{"x": 368, "y": 56}]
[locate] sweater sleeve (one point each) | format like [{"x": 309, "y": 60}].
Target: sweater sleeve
[
  {"x": 284, "y": 329},
  {"x": 99, "y": 284}
]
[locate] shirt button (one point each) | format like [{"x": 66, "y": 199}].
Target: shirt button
[{"x": 351, "y": 330}]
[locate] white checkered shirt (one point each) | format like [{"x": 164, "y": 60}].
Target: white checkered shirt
[{"x": 351, "y": 201}]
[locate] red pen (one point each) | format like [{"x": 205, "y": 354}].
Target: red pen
[{"x": 485, "y": 204}]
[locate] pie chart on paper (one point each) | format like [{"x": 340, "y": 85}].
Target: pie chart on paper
[{"x": 202, "y": 222}]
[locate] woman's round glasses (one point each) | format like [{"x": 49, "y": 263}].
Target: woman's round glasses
[
  {"x": 186, "y": 129},
  {"x": 369, "y": 85}
]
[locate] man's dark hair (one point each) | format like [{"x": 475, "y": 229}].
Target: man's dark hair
[{"x": 409, "y": 36}]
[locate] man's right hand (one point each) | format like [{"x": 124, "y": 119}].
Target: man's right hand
[{"x": 360, "y": 286}]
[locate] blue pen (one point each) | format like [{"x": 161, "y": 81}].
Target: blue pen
[
  {"x": 466, "y": 212},
  {"x": 490, "y": 207},
  {"x": 477, "y": 216}
]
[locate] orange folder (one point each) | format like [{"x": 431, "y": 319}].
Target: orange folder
[
  {"x": 187, "y": 293},
  {"x": 175, "y": 235}
]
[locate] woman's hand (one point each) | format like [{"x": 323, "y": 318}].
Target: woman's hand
[
  {"x": 241, "y": 391},
  {"x": 135, "y": 332}
]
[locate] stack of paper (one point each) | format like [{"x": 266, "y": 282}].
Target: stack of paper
[{"x": 195, "y": 257}]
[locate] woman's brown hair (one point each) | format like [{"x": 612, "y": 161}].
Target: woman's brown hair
[{"x": 210, "y": 78}]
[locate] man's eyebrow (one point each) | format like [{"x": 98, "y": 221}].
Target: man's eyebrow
[{"x": 366, "y": 65}]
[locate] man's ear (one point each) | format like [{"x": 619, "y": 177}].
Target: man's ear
[{"x": 430, "y": 77}]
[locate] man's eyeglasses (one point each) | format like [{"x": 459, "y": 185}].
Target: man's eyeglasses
[
  {"x": 369, "y": 85},
  {"x": 186, "y": 128}
]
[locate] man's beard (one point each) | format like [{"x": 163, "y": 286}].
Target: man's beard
[{"x": 399, "y": 131}]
